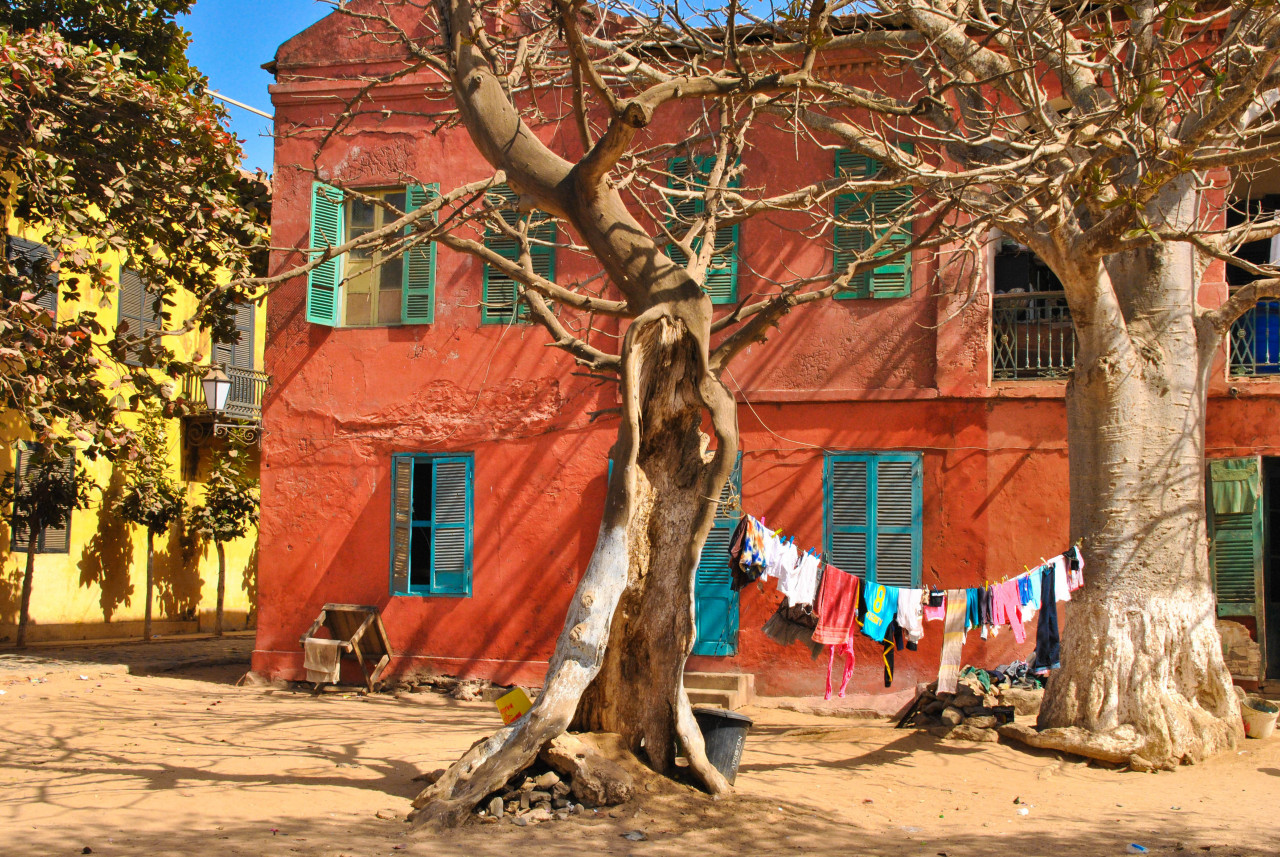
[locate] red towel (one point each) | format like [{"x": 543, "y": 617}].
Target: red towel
[{"x": 837, "y": 607}]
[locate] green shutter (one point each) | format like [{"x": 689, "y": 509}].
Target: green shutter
[
  {"x": 451, "y": 527},
  {"x": 1236, "y": 535},
  {"x": 419, "y": 296},
  {"x": 500, "y": 293},
  {"x": 715, "y": 604},
  {"x": 401, "y": 521},
  {"x": 873, "y": 523},
  {"x": 326, "y": 231},
  {"x": 892, "y": 279},
  {"x": 721, "y": 280}
]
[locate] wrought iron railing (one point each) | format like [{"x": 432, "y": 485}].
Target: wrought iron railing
[
  {"x": 1255, "y": 341},
  {"x": 244, "y": 402},
  {"x": 1031, "y": 336}
]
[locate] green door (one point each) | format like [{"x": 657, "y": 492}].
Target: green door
[
  {"x": 1236, "y": 539},
  {"x": 715, "y": 604}
]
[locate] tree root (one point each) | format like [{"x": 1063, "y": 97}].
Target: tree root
[{"x": 1120, "y": 747}]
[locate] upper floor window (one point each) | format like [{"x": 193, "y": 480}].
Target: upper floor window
[
  {"x": 238, "y": 354},
  {"x": 1032, "y": 336},
  {"x": 34, "y": 264},
  {"x": 138, "y": 313},
  {"x": 500, "y": 302},
  {"x": 1253, "y": 349},
  {"x": 861, "y": 219},
  {"x": 872, "y": 515},
  {"x": 368, "y": 287},
  {"x": 721, "y": 279}
]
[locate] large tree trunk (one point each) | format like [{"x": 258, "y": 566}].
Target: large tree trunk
[
  {"x": 24, "y": 605},
  {"x": 633, "y": 610},
  {"x": 222, "y": 588},
  {"x": 1142, "y": 664}
]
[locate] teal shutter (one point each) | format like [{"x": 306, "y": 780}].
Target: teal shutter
[
  {"x": 1236, "y": 535},
  {"x": 418, "y": 301},
  {"x": 715, "y": 609},
  {"x": 326, "y": 231},
  {"x": 873, "y": 525},
  {"x": 859, "y": 211},
  {"x": 500, "y": 292},
  {"x": 401, "y": 521},
  {"x": 451, "y": 526},
  {"x": 721, "y": 280}
]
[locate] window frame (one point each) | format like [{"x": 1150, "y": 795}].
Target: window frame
[
  {"x": 694, "y": 168},
  {"x": 47, "y": 297},
  {"x": 872, "y": 528},
  {"x": 433, "y": 589},
  {"x": 17, "y": 545},
  {"x": 540, "y": 255},
  {"x": 150, "y": 317},
  {"x": 864, "y": 286}
]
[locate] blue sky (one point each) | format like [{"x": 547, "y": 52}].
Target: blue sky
[{"x": 230, "y": 40}]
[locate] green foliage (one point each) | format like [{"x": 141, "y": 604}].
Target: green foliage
[
  {"x": 230, "y": 505},
  {"x": 151, "y": 497},
  {"x": 50, "y": 490},
  {"x": 109, "y": 144}
]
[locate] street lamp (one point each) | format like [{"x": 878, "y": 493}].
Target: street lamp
[{"x": 217, "y": 386}]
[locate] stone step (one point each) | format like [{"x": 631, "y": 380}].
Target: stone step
[{"x": 726, "y": 699}]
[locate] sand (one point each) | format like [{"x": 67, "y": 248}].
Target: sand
[{"x": 192, "y": 765}]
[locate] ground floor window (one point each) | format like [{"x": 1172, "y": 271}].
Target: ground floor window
[
  {"x": 431, "y": 524},
  {"x": 872, "y": 515},
  {"x": 50, "y": 539}
]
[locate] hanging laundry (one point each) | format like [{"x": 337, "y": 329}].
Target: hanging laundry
[
  {"x": 1048, "y": 645},
  {"x": 1006, "y": 609},
  {"x": 953, "y": 631},
  {"x": 800, "y": 586},
  {"x": 837, "y": 607},
  {"x": 782, "y": 567},
  {"x": 882, "y": 608},
  {"x": 911, "y": 613},
  {"x": 1024, "y": 593},
  {"x": 1075, "y": 568},
  {"x": 737, "y": 543},
  {"x": 973, "y": 615},
  {"x": 935, "y": 608},
  {"x": 1061, "y": 586},
  {"x": 1033, "y": 578},
  {"x": 794, "y": 624},
  {"x": 846, "y": 649}
]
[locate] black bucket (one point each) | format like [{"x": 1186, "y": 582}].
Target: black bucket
[{"x": 725, "y": 734}]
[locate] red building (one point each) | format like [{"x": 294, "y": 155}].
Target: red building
[{"x": 943, "y": 424}]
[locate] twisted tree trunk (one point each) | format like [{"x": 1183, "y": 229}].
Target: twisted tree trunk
[
  {"x": 1142, "y": 666},
  {"x": 146, "y": 614}
]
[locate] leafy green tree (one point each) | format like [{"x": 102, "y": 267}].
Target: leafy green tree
[
  {"x": 230, "y": 508},
  {"x": 152, "y": 498},
  {"x": 51, "y": 488},
  {"x": 110, "y": 144}
]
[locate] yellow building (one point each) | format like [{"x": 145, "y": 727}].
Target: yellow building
[{"x": 90, "y": 578}]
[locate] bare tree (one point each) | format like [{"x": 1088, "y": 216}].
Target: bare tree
[{"x": 1085, "y": 136}]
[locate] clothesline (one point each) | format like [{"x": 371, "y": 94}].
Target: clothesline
[{"x": 822, "y": 605}]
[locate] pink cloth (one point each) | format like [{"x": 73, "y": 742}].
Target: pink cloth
[
  {"x": 1008, "y": 608},
  {"x": 846, "y": 648},
  {"x": 837, "y": 607},
  {"x": 935, "y": 614}
]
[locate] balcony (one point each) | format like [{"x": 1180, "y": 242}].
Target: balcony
[
  {"x": 1031, "y": 336},
  {"x": 244, "y": 402},
  {"x": 1254, "y": 347}
]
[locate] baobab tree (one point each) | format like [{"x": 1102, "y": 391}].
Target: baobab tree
[{"x": 967, "y": 123}]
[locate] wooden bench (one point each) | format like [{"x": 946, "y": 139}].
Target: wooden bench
[{"x": 359, "y": 630}]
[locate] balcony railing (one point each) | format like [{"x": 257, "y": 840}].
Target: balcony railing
[
  {"x": 1031, "y": 336},
  {"x": 244, "y": 402},
  {"x": 1255, "y": 341}
]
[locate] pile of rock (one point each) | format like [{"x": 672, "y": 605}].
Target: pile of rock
[
  {"x": 530, "y": 798},
  {"x": 973, "y": 713}
]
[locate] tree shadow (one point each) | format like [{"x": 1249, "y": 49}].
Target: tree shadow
[
  {"x": 177, "y": 572},
  {"x": 107, "y": 558},
  {"x": 249, "y": 580}
]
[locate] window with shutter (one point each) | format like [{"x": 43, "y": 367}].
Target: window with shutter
[
  {"x": 326, "y": 231},
  {"x": 240, "y": 352},
  {"x": 500, "y": 294},
  {"x": 861, "y": 220},
  {"x": 34, "y": 263},
  {"x": 715, "y": 603},
  {"x": 419, "y": 306},
  {"x": 721, "y": 280},
  {"x": 872, "y": 514},
  {"x": 138, "y": 311},
  {"x": 1236, "y": 535},
  {"x": 50, "y": 539},
  {"x": 432, "y": 499}
]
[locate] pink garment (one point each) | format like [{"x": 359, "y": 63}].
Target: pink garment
[
  {"x": 935, "y": 614},
  {"x": 1008, "y": 609},
  {"x": 845, "y": 648},
  {"x": 837, "y": 607}
]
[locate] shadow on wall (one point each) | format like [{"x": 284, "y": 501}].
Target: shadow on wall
[
  {"x": 250, "y": 583},
  {"x": 177, "y": 572},
  {"x": 107, "y": 557}
]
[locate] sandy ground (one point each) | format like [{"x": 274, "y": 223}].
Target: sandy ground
[{"x": 191, "y": 765}]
